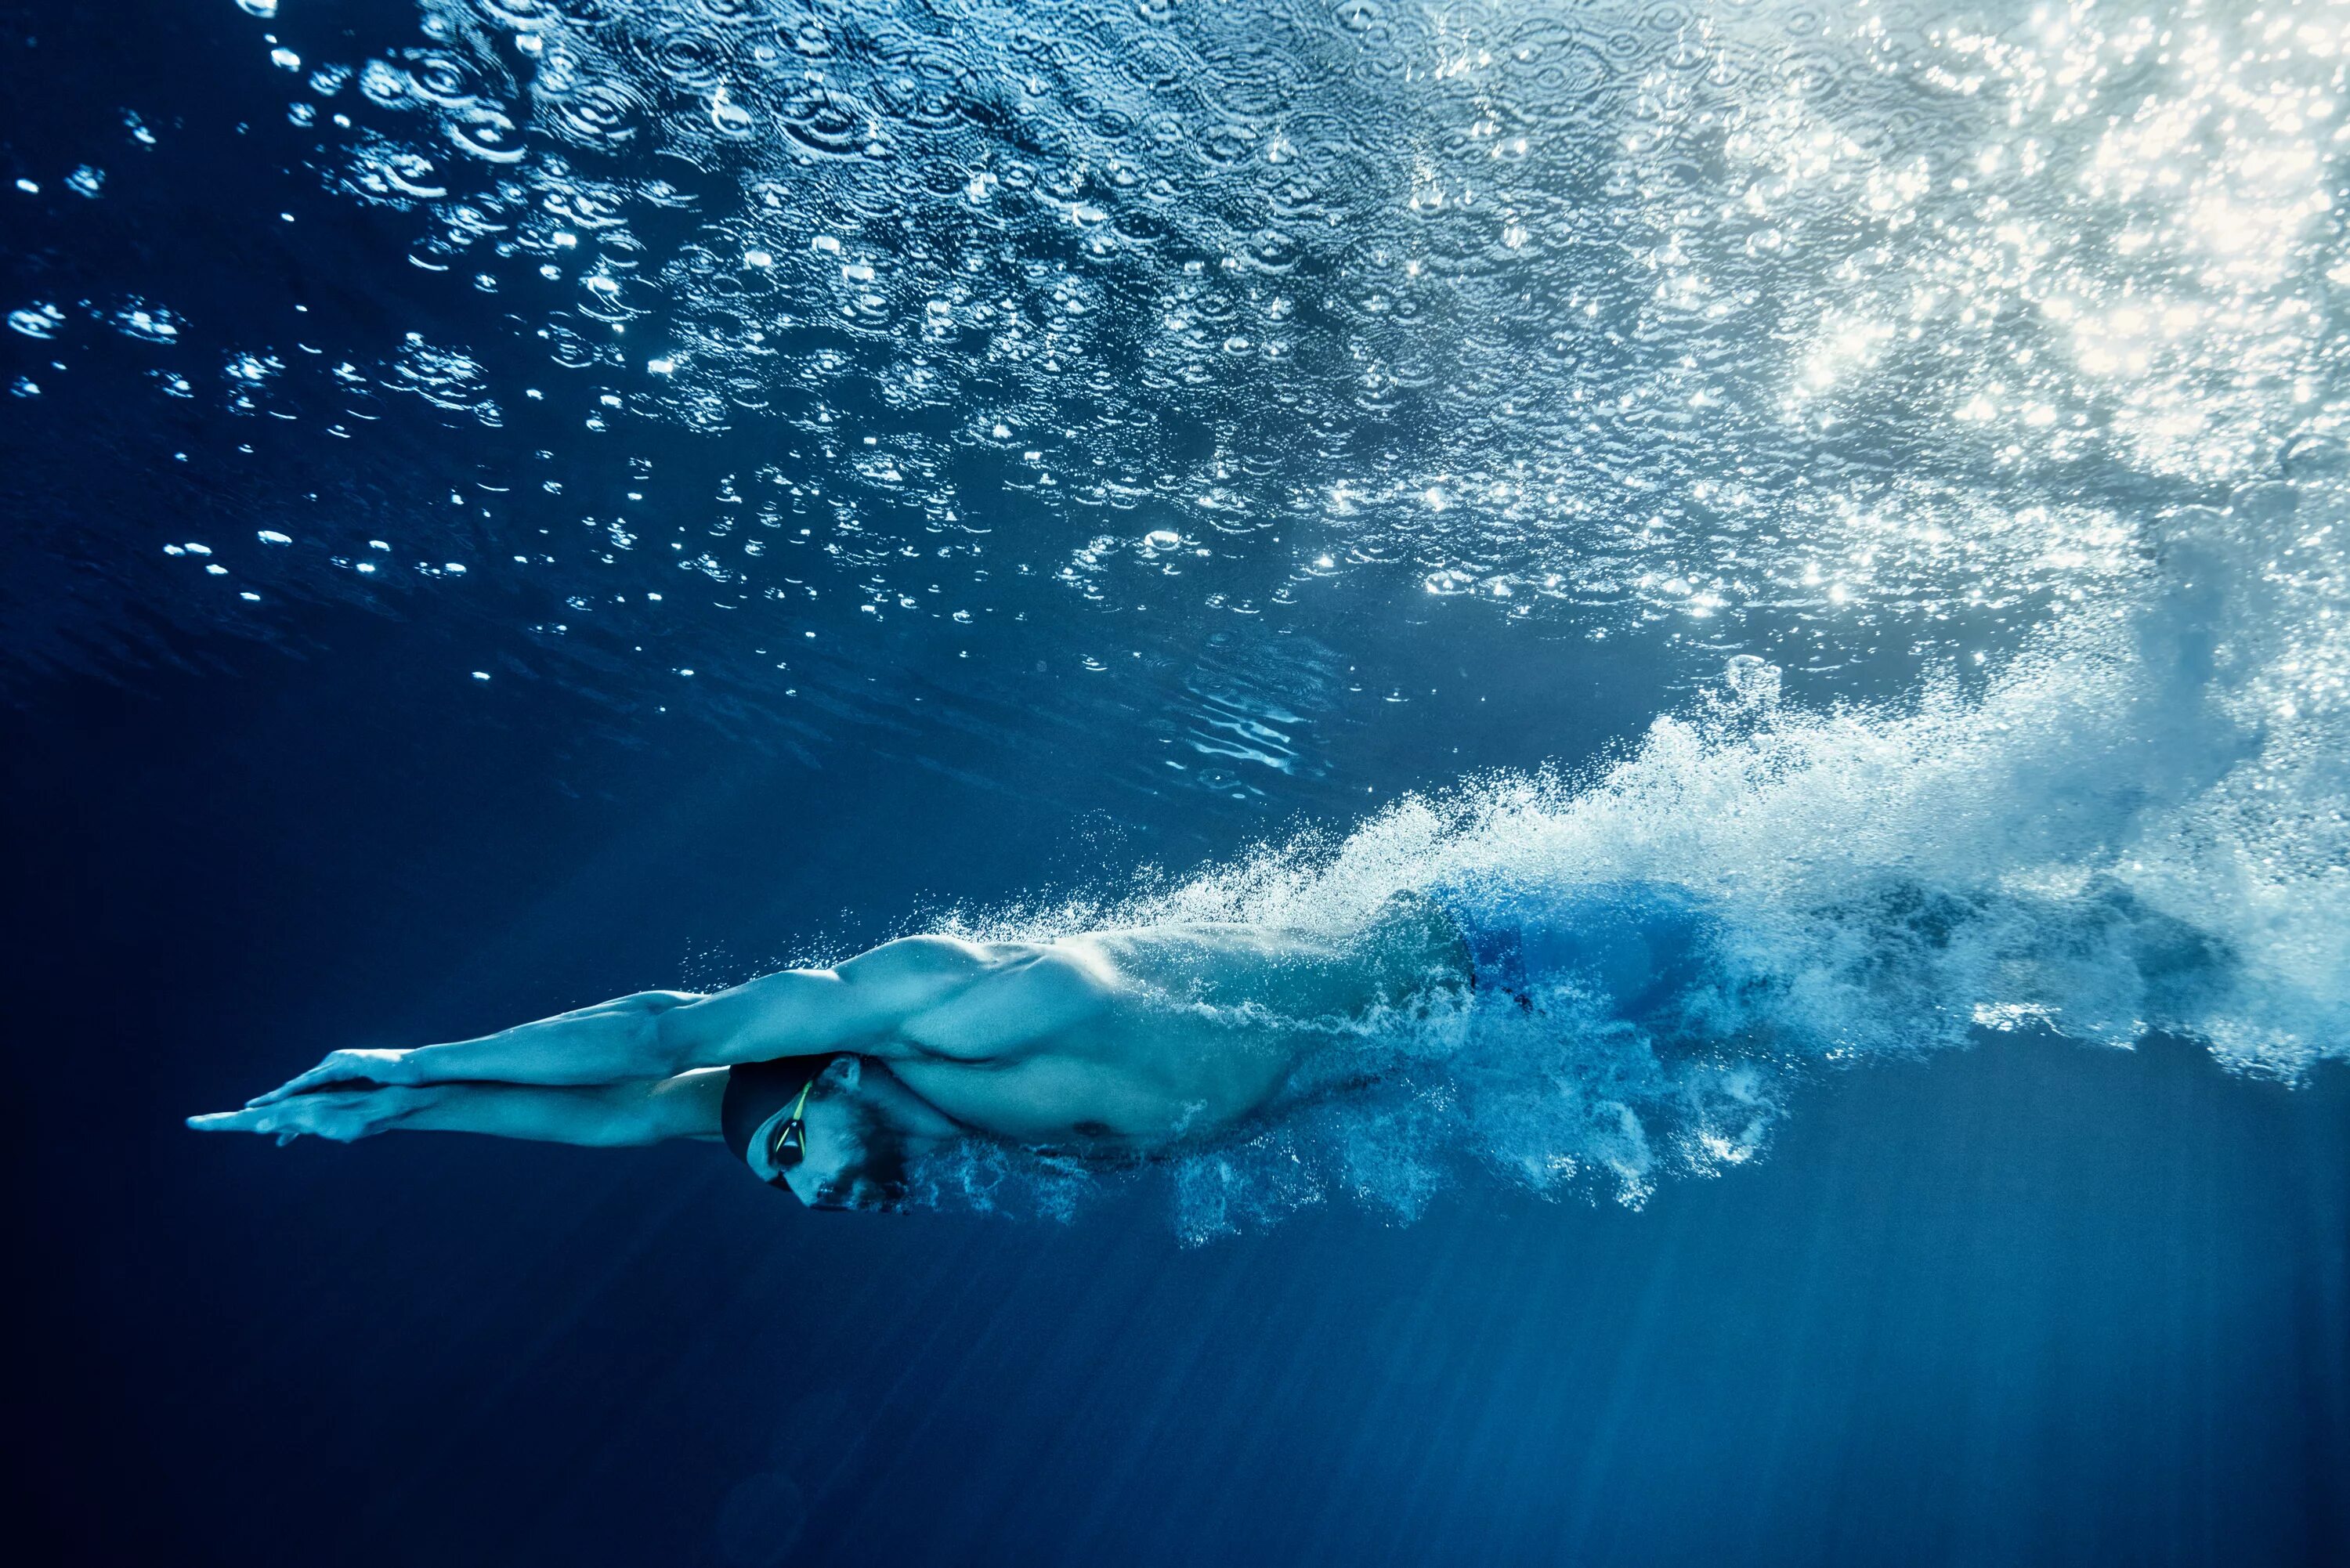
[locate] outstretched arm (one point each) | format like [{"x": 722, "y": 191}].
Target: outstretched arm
[
  {"x": 605, "y": 1115},
  {"x": 859, "y": 1006}
]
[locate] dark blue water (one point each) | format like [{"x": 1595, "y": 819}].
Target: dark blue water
[
  {"x": 1985, "y": 1286},
  {"x": 2031, "y": 1303}
]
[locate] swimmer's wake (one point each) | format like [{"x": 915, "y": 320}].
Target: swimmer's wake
[{"x": 2128, "y": 831}]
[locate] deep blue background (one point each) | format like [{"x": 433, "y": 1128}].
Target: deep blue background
[{"x": 2027, "y": 1303}]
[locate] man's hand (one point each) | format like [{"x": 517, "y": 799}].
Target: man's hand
[
  {"x": 355, "y": 1067},
  {"x": 338, "y": 1115}
]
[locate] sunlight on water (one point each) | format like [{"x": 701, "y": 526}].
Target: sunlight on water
[
  {"x": 1691, "y": 309},
  {"x": 1815, "y": 328}
]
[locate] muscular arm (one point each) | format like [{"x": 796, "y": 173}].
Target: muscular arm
[
  {"x": 603, "y": 1116},
  {"x": 865, "y": 1005}
]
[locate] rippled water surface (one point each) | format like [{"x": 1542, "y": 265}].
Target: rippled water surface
[
  {"x": 1880, "y": 465},
  {"x": 1845, "y": 336}
]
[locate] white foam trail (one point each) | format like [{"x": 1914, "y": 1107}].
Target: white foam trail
[{"x": 2142, "y": 824}]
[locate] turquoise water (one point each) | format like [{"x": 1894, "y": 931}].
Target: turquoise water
[{"x": 519, "y": 501}]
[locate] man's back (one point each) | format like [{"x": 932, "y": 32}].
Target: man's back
[{"x": 1132, "y": 1040}]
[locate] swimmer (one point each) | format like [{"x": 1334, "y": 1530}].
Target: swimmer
[{"x": 1109, "y": 1046}]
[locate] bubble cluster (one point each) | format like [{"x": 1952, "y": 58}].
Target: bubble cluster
[
  {"x": 1726, "y": 313},
  {"x": 1855, "y": 339}
]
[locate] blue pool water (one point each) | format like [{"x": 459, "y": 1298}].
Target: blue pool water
[{"x": 1824, "y": 526}]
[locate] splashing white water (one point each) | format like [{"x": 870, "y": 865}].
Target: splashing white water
[{"x": 2142, "y": 825}]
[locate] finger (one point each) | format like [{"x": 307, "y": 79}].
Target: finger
[
  {"x": 355, "y": 1067},
  {"x": 324, "y": 1072},
  {"x": 250, "y": 1119},
  {"x": 309, "y": 1083}
]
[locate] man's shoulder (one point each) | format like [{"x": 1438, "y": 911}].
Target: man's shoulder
[{"x": 1017, "y": 997}]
